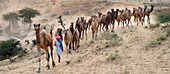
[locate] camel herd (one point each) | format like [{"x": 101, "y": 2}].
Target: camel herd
[{"x": 77, "y": 30}]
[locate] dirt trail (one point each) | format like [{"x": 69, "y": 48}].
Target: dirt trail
[{"x": 134, "y": 59}]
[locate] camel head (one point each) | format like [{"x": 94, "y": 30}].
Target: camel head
[
  {"x": 116, "y": 13},
  {"x": 139, "y": 7},
  {"x": 145, "y": 7},
  {"x": 112, "y": 10},
  {"x": 126, "y": 9},
  {"x": 99, "y": 14},
  {"x": 134, "y": 9},
  {"x": 108, "y": 12},
  {"x": 82, "y": 19},
  {"x": 152, "y": 8},
  {"x": 37, "y": 27},
  {"x": 121, "y": 11},
  {"x": 58, "y": 31},
  {"x": 72, "y": 24},
  {"x": 117, "y": 10}
]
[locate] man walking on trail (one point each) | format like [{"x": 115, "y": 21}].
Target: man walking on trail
[{"x": 59, "y": 47}]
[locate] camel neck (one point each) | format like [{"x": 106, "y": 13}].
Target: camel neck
[{"x": 38, "y": 36}]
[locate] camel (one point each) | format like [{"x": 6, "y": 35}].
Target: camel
[
  {"x": 139, "y": 14},
  {"x": 59, "y": 32},
  {"x": 82, "y": 26},
  {"x": 76, "y": 35},
  {"x": 68, "y": 39},
  {"x": 95, "y": 26},
  {"x": 90, "y": 20},
  {"x": 105, "y": 20},
  {"x": 136, "y": 14},
  {"x": 126, "y": 16},
  {"x": 44, "y": 40},
  {"x": 119, "y": 16},
  {"x": 147, "y": 12},
  {"x": 114, "y": 15},
  {"x": 76, "y": 39}
]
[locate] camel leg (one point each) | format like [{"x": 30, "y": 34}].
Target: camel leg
[
  {"x": 86, "y": 33},
  {"x": 131, "y": 24},
  {"x": 127, "y": 23},
  {"x": 78, "y": 43},
  {"x": 113, "y": 26},
  {"x": 39, "y": 66},
  {"x": 100, "y": 25},
  {"x": 103, "y": 27},
  {"x": 89, "y": 27},
  {"x": 148, "y": 19},
  {"x": 73, "y": 45},
  {"x": 53, "y": 63},
  {"x": 93, "y": 35},
  {"x": 82, "y": 35},
  {"x": 122, "y": 24},
  {"x": 76, "y": 46},
  {"x": 69, "y": 47},
  {"x": 118, "y": 23},
  {"x": 137, "y": 21},
  {"x": 48, "y": 58},
  {"x": 143, "y": 20},
  {"x": 106, "y": 28},
  {"x": 96, "y": 35}
]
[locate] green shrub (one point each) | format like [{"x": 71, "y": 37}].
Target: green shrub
[
  {"x": 152, "y": 26},
  {"x": 166, "y": 28},
  {"x": 34, "y": 42},
  {"x": 163, "y": 17},
  {"x": 168, "y": 31},
  {"x": 154, "y": 43},
  {"x": 112, "y": 57},
  {"x": 9, "y": 48},
  {"x": 67, "y": 62},
  {"x": 161, "y": 37},
  {"x": 113, "y": 38}
]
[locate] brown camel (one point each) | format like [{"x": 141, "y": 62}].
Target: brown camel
[
  {"x": 148, "y": 12},
  {"x": 68, "y": 39},
  {"x": 126, "y": 16},
  {"x": 119, "y": 16},
  {"x": 76, "y": 39},
  {"x": 82, "y": 26},
  {"x": 139, "y": 14},
  {"x": 105, "y": 20},
  {"x": 43, "y": 40},
  {"x": 114, "y": 15},
  {"x": 95, "y": 26},
  {"x": 90, "y": 20},
  {"x": 76, "y": 35}
]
